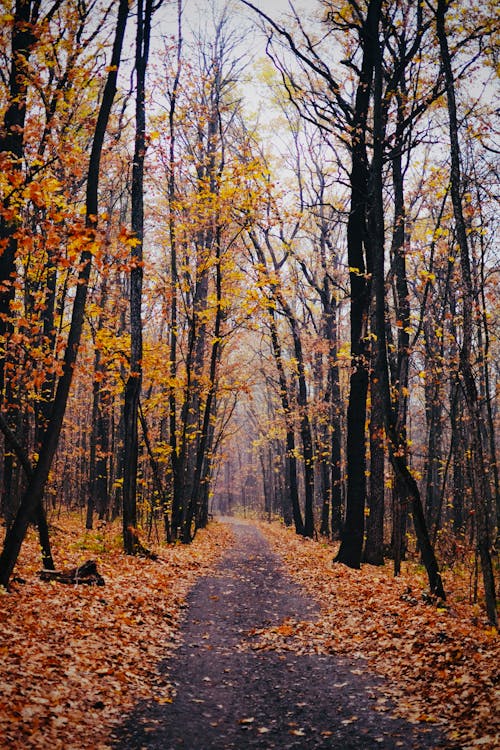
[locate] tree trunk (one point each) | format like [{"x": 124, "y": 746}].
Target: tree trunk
[
  {"x": 11, "y": 150},
  {"x": 305, "y": 431},
  {"x": 400, "y": 371},
  {"x": 40, "y": 516},
  {"x": 359, "y": 261},
  {"x": 397, "y": 451},
  {"x": 176, "y": 484},
  {"x": 131, "y": 544},
  {"x": 434, "y": 419},
  {"x": 374, "y": 544},
  {"x": 334, "y": 396},
  {"x": 291, "y": 461},
  {"x": 34, "y": 492},
  {"x": 465, "y": 367}
]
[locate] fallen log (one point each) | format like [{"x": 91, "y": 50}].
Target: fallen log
[{"x": 84, "y": 574}]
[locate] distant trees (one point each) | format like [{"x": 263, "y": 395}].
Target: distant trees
[
  {"x": 379, "y": 110},
  {"x": 201, "y": 161},
  {"x": 222, "y": 315},
  {"x": 484, "y": 487}
]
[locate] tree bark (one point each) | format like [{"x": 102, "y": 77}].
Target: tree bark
[
  {"x": 434, "y": 419},
  {"x": 360, "y": 262},
  {"x": 176, "y": 483},
  {"x": 11, "y": 150},
  {"x": 131, "y": 543},
  {"x": 291, "y": 461},
  {"x": 305, "y": 431},
  {"x": 400, "y": 370},
  {"x": 40, "y": 516},
  {"x": 374, "y": 544},
  {"x": 397, "y": 450}
]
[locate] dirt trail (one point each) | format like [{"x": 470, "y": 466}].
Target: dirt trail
[{"x": 233, "y": 698}]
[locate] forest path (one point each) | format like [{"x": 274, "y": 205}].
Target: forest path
[{"x": 229, "y": 697}]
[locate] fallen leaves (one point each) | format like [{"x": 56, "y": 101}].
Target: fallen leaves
[
  {"x": 73, "y": 659},
  {"x": 441, "y": 665}
]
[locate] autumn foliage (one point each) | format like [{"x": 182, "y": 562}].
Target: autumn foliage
[
  {"x": 74, "y": 658},
  {"x": 440, "y": 662},
  {"x": 240, "y": 286}
]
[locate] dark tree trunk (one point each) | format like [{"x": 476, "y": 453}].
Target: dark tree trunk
[
  {"x": 376, "y": 226},
  {"x": 291, "y": 461},
  {"x": 336, "y": 476},
  {"x": 400, "y": 370},
  {"x": 459, "y": 464},
  {"x": 334, "y": 396},
  {"x": 10, "y": 493},
  {"x": 282, "y": 487},
  {"x": 98, "y": 464},
  {"x": 203, "y": 511},
  {"x": 305, "y": 431},
  {"x": 176, "y": 482},
  {"x": 434, "y": 419},
  {"x": 12, "y": 147},
  {"x": 398, "y": 528},
  {"x": 131, "y": 544},
  {"x": 359, "y": 261},
  {"x": 325, "y": 493},
  {"x": 101, "y": 479},
  {"x": 465, "y": 366},
  {"x": 34, "y": 492},
  {"x": 157, "y": 475},
  {"x": 40, "y": 516},
  {"x": 374, "y": 544}
]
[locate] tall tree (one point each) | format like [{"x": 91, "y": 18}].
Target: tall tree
[
  {"x": 174, "y": 282},
  {"x": 468, "y": 302},
  {"x": 360, "y": 268},
  {"x": 26, "y": 27},
  {"x": 131, "y": 542},
  {"x": 34, "y": 492},
  {"x": 376, "y": 228}
]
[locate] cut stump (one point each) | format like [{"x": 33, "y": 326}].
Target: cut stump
[{"x": 84, "y": 574}]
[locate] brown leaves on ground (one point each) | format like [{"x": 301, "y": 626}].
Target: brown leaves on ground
[
  {"x": 73, "y": 659},
  {"x": 441, "y": 664}
]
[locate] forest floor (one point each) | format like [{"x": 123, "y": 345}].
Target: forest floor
[
  {"x": 273, "y": 647},
  {"x": 440, "y": 663},
  {"x": 74, "y": 659}
]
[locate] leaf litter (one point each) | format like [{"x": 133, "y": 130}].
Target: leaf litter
[
  {"x": 441, "y": 664},
  {"x": 74, "y": 659}
]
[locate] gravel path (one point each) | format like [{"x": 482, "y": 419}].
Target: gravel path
[{"x": 232, "y": 698}]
